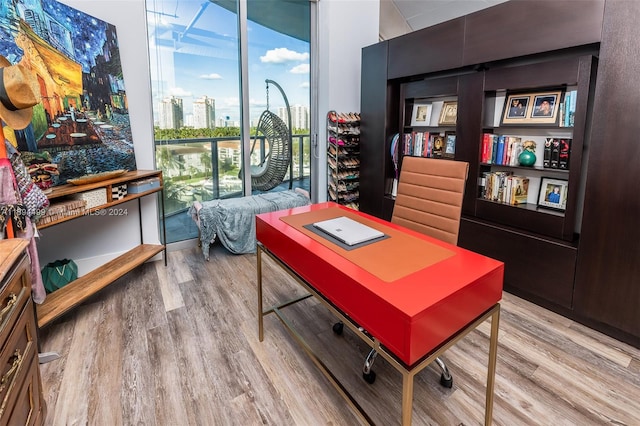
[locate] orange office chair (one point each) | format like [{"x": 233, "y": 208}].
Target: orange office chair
[
  {"x": 429, "y": 200},
  {"x": 430, "y": 195}
]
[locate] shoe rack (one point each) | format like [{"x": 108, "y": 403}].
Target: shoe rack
[{"x": 343, "y": 156}]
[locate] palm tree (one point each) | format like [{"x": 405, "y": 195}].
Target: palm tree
[
  {"x": 205, "y": 159},
  {"x": 166, "y": 160}
]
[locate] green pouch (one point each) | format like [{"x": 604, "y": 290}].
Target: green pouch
[{"x": 59, "y": 273}]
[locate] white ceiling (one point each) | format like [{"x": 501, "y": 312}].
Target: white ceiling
[{"x": 412, "y": 15}]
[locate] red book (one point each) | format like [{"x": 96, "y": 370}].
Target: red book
[{"x": 487, "y": 143}]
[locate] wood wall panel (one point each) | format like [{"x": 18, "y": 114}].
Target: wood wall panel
[
  {"x": 428, "y": 50},
  {"x": 373, "y": 104},
  {"x": 534, "y": 75},
  {"x": 608, "y": 274},
  {"x": 469, "y": 133},
  {"x": 542, "y": 268},
  {"x": 525, "y": 27}
]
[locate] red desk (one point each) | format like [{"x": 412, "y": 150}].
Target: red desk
[{"x": 414, "y": 295}]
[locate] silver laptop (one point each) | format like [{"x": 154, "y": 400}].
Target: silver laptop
[{"x": 348, "y": 230}]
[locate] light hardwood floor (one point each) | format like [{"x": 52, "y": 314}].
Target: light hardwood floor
[{"x": 178, "y": 345}]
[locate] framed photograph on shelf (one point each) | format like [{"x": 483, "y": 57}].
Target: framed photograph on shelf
[
  {"x": 531, "y": 108},
  {"x": 553, "y": 193},
  {"x": 544, "y": 107},
  {"x": 516, "y": 109},
  {"x": 449, "y": 114},
  {"x": 438, "y": 145},
  {"x": 421, "y": 115},
  {"x": 450, "y": 145}
]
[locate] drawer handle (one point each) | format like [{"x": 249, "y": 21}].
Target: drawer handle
[
  {"x": 17, "y": 361},
  {"x": 12, "y": 301}
]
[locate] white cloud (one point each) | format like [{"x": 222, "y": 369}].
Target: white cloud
[
  {"x": 305, "y": 85},
  {"x": 212, "y": 76},
  {"x": 300, "y": 69},
  {"x": 281, "y": 55},
  {"x": 257, "y": 103},
  {"x": 231, "y": 102},
  {"x": 180, "y": 92}
]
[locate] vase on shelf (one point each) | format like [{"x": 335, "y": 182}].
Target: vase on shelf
[{"x": 527, "y": 157}]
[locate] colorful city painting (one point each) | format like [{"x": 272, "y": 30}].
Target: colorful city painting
[{"x": 82, "y": 124}]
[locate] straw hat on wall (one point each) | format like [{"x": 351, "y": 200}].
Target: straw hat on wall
[{"x": 17, "y": 94}]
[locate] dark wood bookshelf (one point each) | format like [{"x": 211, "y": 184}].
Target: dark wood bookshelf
[{"x": 592, "y": 245}]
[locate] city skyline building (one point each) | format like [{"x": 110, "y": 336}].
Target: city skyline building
[
  {"x": 204, "y": 113},
  {"x": 172, "y": 116},
  {"x": 299, "y": 116},
  {"x": 171, "y": 113}
]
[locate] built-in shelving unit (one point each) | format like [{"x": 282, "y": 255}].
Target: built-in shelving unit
[
  {"x": 575, "y": 258},
  {"x": 565, "y": 81}
]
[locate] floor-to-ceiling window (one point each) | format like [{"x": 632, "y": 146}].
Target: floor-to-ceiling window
[{"x": 196, "y": 68}]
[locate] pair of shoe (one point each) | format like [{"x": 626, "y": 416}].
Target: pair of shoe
[{"x": 343, "y": 117}]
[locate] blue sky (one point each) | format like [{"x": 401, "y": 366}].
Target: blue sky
[{"x": 205, "y": 58}]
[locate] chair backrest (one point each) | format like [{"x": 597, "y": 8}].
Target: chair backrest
[{"x": 429, "y": 198}]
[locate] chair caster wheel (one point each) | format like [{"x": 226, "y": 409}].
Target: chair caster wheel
[
  {"x": 338, "y": 328},
  {"x": 447, "y": 383},
  {"x": 369, "y": 377}
]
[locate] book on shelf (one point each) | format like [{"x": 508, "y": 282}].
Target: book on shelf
[
  {"x": 508, "y": 144},
  {"x": 519, "y": 190},
  {"x": 500, "y": 150},
  {"x": 416, "y": 148},
  {"x": 564, "y": 152},
  {"x": 569, "y": 109},
  {"x": 515, "y": 150},
  {"x": 572, "y": 107},
  {"x": 429, "y": 145},
  {"x": 482, "y": 183},
  {"x": 420, "y": 144},
  {"x": 546, "y": 158},
  {"x": 450, "y": 147},
  {"x": 504, "y": 187},
  {"x": 494, "y": 185},
  {"x": 555, "y": 153},
  {"x": 408, "y": 141},
  {"x": 494, "y": 148},
  {"x": 487, "y": 140}
]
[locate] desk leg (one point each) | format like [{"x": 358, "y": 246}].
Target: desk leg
[
  {"x": 259, "y": 272},
  {"x": 407, "y": 397},
  {"x": 491, "y": 371}
]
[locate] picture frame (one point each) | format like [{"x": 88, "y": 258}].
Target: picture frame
[
  {"x": 553, "y": 193},
  {"x": 421, "y": 114},
  {"x": 531, "y": 108},
  {"x": 450, "y": 145},
  {"x": 544, "y": 107},
  {"x": 448, "y": 114},
  {"x": 516, "y": 109},
  {"x": 438, "y": 143}
]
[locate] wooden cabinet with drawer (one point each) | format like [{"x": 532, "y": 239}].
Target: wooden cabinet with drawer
[{"x": 21, "y": 400}]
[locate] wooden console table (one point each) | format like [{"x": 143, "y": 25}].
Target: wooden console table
[{"x": 74, "y": 293}]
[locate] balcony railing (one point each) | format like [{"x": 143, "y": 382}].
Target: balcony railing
[{"x": 205, "y": 169}]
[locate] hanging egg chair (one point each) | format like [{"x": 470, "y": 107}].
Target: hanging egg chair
[{"x": 273, "y": 167}]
